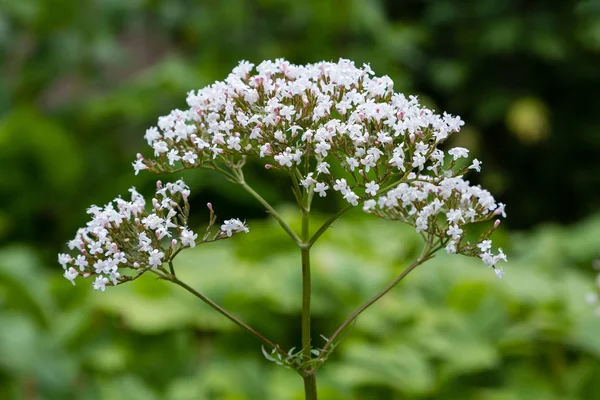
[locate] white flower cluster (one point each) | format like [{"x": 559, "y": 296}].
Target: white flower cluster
[
  {"x": 332, "y": 126},
  {"x": 305, "y": 118},
  {"x": 123, "y": 235},
  {"x": 442, "y": 207}
]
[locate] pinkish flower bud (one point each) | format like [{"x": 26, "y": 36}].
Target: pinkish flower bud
[
  {"x": 210, "y": 207},
  {"x": 158, "y": 184},
  {"x": 496, "y": 223},
  {"x": 268, "y": 166},
  {"x": 173, "y": 243},
  {"x": 139, "y": 156},
  {"x": 411, "y": 137}
]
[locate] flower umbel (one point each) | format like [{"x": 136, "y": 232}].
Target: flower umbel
[
  {"x": 124, "y": 236},
  {"x": 306, "y": 119}
]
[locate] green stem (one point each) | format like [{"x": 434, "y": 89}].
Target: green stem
[
  {"x": 223, "y": 312},
  {"x": 328, "y": 223},
  {"x": 270, "y": 210},
  {"x": 425, "y": 255},
  {"x": 310, "y": 387},
  {"x": 310, "y": 380}
]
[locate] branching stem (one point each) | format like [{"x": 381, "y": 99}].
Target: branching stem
[
  {"x": 425, "y": 255},
  {"x": 221, "y": 310}
]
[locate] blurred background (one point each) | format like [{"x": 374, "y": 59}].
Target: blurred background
[{"x": 82, "y": 80}]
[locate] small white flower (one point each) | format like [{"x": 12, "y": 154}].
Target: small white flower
[
  {"x": 352, "y": 163},
  {"x": 476, "y": 165},
  {"x": 155, "y": 258},
  {"x": 321, "y": 188},
  {"x": 499, "y": 273},
  {"x": 188, "y": 238},
  {"x": 308, "y": 181},
  {"x": 160, "y": 147},
  {"x": 369, "y": 205},
  {"x": 71, "y": 274},
  {"x": 138, "y": 165},
  {"x": 323, "y": 168},
  {"x": 64, "y": 259},
  {"x": 233, "y": 226},
  {"x": 451, "y": 247},
  {"x": 372, "y": 188},
  {"x": 458, "y": 152},
  {"x": 233, "y": 143},
  {"x": 81, "y": 262},
  {"x": 454, "y": 216},
  {"x": 173, "y": 156},
  {"x": 190, "y": 157},
  {"x": 485, "y": 245},
  {"x": 100, "y": 283},
  {"x": 454, "y": 231},
  {"x": 351, "y": 197}
]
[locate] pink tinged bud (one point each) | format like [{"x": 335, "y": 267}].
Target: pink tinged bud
[
  {"x": 137, "y": 221},
  {"x": 136, "y": 265},
  {"x": 498, "y": 211},
  {"x": 155, "y": 203},
  {"x": 139, "y": 156},
  {"x": 496, "y": 223},
  {"x": 361, "y": 172},
  {"x": 210, "y": 207},
  {"x": 173, "y": 243},
  {"x": 268, "y": 166},
  {"x": 411, "y": 137},
  {"x": 86, "y": 274},
  {"x": 158, "y": 184}
]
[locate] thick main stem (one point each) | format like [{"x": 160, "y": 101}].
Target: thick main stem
[
  {"x": 310, "y": 387},
  {"x": 310, "y": 380}
]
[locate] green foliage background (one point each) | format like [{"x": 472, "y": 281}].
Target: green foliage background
[{"x": 81, "y": 81}]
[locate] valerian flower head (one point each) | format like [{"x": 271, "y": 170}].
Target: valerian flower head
[
  {"x": 124, "y": 236},
  {"x": 333, "y": 126}
]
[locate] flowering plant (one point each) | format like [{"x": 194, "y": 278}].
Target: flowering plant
[{"x": 332, "y": 128}]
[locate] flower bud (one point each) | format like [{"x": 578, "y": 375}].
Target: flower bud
[
  {"x": 210, "y": 207},
  {"x": 496, "y": 223}
]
